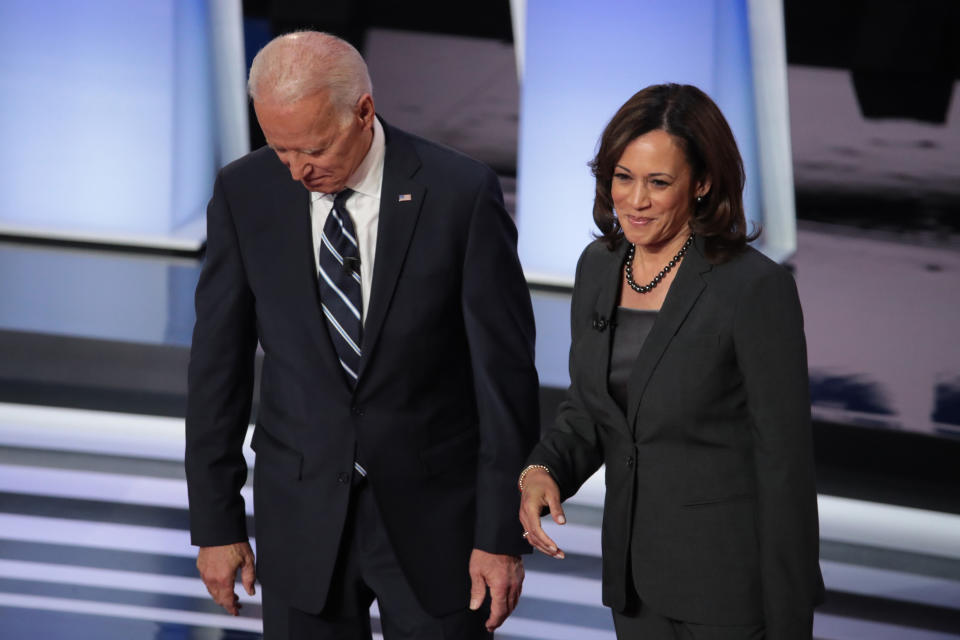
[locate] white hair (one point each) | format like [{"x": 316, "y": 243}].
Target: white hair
[{"x": 303, "y": 63}]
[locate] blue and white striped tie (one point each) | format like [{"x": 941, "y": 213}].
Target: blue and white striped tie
[{"x": 340, "y": 291}]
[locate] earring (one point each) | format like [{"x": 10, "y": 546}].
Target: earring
[{"x": 699, "y": 199}]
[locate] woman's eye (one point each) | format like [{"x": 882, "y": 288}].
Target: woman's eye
[{"x": 621, "y": 176}]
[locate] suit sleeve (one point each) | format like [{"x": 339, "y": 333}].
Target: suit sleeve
[
  {"x": 571, "y": 449},
  {"x": 219, "y": 385},
  {"x": 498, "y": 319},
  {"x": 771, "y": 351}
]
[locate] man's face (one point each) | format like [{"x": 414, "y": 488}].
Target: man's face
[{"x": 315, "y": 141}]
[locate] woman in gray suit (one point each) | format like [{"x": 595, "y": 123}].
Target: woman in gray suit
[{"x": 689, "y": 382}]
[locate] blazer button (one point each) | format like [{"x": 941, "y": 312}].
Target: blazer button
[
  {"x": 629, "y": 461},
  {"x": 343, "y": 478},
  {"x": 357, "y": 411}
]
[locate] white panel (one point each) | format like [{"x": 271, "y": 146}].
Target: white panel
[
  {"x": 581, "y": 62},
  {"x": 87, "y": 114},
  {"x": 775, "y": 163},
  {"x": 109, "y": 117}
]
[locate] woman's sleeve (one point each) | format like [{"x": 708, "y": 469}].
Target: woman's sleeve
[
  {"x": 571, "y": 448},
  {"x": 772, "y": 356}
]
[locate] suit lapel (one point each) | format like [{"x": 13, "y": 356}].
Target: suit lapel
[
  {"x": 599, "y": 340},
  {"x": 293, "y": 201},
  {"x": 398, "y": 218},
  {"x": 684, "y": 292}
]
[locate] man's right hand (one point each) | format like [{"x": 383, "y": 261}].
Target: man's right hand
[{"x": 218, "y": 569}]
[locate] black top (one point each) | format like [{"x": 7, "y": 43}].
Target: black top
[{"x": 631, "y": 329}]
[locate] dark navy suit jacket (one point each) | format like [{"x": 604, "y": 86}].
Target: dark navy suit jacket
[{"x": 445, "y": 410}]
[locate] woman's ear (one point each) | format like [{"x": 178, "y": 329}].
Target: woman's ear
[{"x": 703, "y": 188}]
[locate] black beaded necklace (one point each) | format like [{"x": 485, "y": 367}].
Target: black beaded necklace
[{"x": 628, "y": 267}]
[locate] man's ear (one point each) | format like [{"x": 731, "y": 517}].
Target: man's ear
[{"x": 364, "y": 110}]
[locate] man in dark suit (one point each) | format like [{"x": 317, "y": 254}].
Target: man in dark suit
[{"x": 398, "y": 393}]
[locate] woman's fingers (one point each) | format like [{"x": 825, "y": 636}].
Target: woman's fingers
[
  {"x": 536, "y": 496},
  {"x": 556, "y": 510},
  {"x": 543, "y": 543}
]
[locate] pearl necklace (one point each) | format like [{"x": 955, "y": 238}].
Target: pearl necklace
[{"x": 628, "y": 267}]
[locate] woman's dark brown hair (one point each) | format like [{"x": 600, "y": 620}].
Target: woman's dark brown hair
[{"x": 696, "y": 123}]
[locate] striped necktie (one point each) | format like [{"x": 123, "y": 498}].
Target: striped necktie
[{"x": 340, "y": 285}]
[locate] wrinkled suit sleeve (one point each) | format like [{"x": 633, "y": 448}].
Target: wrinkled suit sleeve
[
  {"x": 499, "y": 323},
  {"x": 571, "y": 449},
  {"x": 771, "y": 352},
  {"x": 220, "y": 384}
]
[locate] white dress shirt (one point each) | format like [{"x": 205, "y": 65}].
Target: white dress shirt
[{"x": 363, "y": 207}]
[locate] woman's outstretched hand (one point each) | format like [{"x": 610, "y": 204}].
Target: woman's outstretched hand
[{"x": 539, "y": 491}]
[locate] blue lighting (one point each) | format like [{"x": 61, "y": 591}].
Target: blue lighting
[
  {"x": 582, "y": 61},
  {"x": 107, "y": 116}
]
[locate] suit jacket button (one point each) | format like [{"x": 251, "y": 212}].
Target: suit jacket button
[
  {"x": 343, "y": 478},
  {"x": 629, "y": 461},
  {"x": 357, "y": 411}
]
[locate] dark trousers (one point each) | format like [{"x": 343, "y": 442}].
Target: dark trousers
[
  {"x": 368, "y": 570},
  {"x": 646, "y": 624}
]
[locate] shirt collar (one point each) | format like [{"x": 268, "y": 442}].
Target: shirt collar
[{"x": 368, "y": 177}]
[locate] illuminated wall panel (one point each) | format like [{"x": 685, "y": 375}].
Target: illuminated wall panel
[
  {"x": 581, "y": 61},
  {"x": 110, "y": 116}
]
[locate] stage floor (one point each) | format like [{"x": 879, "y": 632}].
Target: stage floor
[{"x": 94, "y": 544}]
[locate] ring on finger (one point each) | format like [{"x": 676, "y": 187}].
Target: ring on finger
[{"x": 526, "y": 533}]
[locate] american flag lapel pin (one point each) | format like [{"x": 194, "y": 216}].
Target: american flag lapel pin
[{"x": 404, "y": 197}]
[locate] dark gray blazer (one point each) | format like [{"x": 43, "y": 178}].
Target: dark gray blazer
[
  {"x": 445, "y": 410},
  {"x": 710, "y": 492}
]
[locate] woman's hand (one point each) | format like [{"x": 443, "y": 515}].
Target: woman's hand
[{"x": 540, "y": 490}]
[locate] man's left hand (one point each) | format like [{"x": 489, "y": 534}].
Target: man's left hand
[{"x": 504, "y": 576}]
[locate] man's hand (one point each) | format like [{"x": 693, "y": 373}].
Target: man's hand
[
  {"x": 218, "y": 568},
  {"x": 504, "y": 576},
  {"x": 539, "y": 491}
]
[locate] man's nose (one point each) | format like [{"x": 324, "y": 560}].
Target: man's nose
[{"x": 298, "y": 167}]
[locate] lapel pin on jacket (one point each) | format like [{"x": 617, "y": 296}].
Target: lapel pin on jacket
[{"x": 404, "y": 197}]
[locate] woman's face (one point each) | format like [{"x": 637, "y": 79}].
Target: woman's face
[{"x": 651, "y": 190}]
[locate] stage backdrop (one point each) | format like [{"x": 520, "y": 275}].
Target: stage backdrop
[
  {"x": 581, "y": 60},
  {"x": 116, "y": 115}
]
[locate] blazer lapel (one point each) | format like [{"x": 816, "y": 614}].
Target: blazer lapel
[
  {"x": 400, "y": 201},
  {"x": 600, "y": 342},
  {"x": 686, "y": 288}
]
